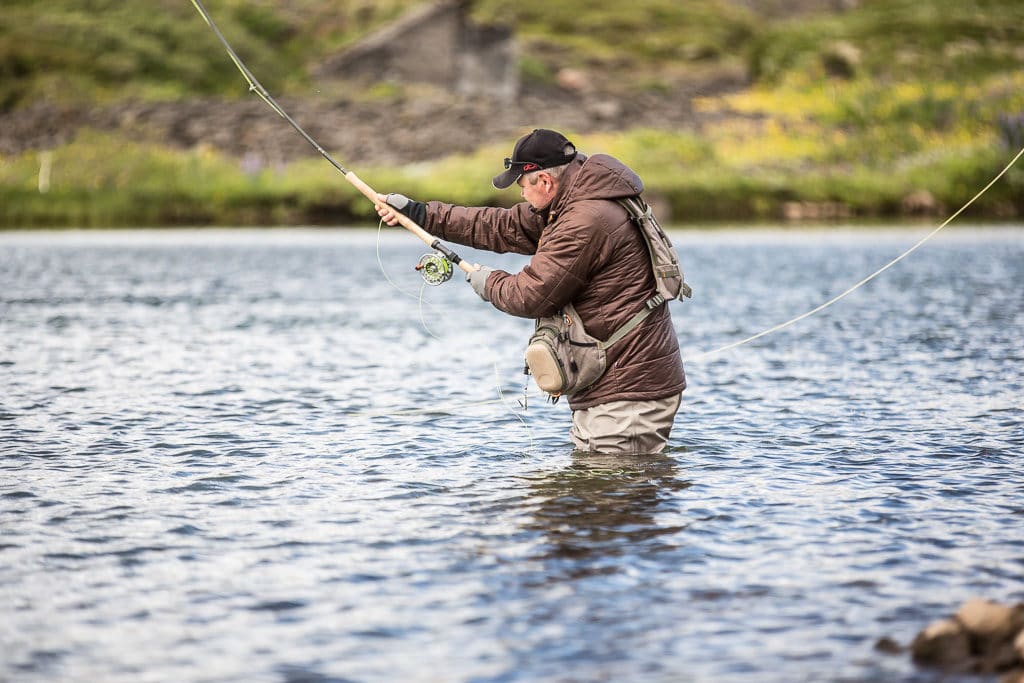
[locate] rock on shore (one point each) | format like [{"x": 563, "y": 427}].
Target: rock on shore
[{"x": 983, "y": 637}]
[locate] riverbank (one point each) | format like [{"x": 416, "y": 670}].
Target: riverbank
[
  {"x": 726, "y": 169},
  {"x": 832, "y": 150}
]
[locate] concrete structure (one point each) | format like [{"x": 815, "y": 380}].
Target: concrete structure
[{"x": 435, "y": 43}]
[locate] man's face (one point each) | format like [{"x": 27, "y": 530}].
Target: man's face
[{"x": 538, "y": 188}]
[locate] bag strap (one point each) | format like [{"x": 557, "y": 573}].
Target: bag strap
[
  {"x": 665, "y": 265},
  {"x": 649, "y": 307}
]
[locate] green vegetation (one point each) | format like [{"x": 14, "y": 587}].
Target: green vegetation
[
  {"x": 858, "y": 110},
  {"x": 867, "y": 107},
  {"x": 104, "y": 50},
  {"x": 100, "y": 180},
  {"x": 658, "y": 39}
]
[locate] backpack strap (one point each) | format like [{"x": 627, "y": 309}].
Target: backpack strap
[{"x": 668, "y": 276}]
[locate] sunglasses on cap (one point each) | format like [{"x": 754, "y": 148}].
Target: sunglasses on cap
[{"x": 521, "y": 166}]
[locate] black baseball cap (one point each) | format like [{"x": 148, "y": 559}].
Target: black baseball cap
[{"x": 540, "y": 149}]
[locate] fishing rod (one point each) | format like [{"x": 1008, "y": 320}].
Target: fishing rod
[{"x": 435, "y": 268}]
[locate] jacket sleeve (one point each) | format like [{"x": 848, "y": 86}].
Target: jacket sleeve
[
  {"x": 516, "y": 230},
  {"x": 558, "y": 271}
]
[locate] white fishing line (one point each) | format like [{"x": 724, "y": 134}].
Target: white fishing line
[
  {"x": 501, "y": 395},
  {"x": 861, "y": 283},
  {"x": 423, "y": 319},
  {"x": 434, "y": 408},
  {"x": 384, "y": 272}
]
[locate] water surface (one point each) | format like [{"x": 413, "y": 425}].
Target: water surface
[{"x": 256, "y": 456}]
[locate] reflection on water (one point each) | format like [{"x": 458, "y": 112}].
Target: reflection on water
[
  {"x": 600, "y": 508},
  {"x": 247, "y": 456}
]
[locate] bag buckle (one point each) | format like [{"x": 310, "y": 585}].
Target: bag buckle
[{"x": 655, "y": 301}]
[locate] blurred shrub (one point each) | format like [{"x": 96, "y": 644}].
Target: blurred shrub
[{"x": 897, "y": 39}]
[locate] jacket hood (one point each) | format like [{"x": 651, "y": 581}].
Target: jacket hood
[{"x": 597, "y": 177}]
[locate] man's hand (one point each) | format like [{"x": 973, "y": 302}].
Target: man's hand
[
  {"x": 478, "y": 280},
  {"x": 391, "y": 205}
]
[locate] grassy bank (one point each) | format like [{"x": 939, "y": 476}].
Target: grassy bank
[
  {"x": 738, "y": 170},
  {"x": 894, "y": 109}
]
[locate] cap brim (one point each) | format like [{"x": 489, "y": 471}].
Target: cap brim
[{"x": 503, "y": 180}]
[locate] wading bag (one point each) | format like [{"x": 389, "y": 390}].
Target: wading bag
[{"x": 562, "y": 357}]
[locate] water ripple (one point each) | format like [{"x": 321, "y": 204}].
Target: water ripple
[{"x": 241, "y": 456}]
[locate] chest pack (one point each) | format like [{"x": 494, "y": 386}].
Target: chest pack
[{"x": 562, "y": 356}]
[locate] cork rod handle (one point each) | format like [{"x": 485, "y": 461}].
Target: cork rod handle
[{"x": 404, "y": 220}]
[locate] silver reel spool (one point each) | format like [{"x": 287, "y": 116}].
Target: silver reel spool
[{"x": 435, "y": 269}]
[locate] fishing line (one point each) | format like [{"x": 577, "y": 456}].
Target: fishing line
[
  {"x": 380, "y": 263},
  {"x": 858, "y": 285},
  {"x": 501, "y": 396},
  {"x": 441, "y": 249},
  {"x": 419, "y": 297},
  {"x": 423, "y": 320},
  {"x": 497, "y": 375},
  {"x": 256, "y": 87},
  {"x": 451, "y": 408}
]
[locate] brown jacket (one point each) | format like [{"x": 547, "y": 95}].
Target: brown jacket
[{"x": 588, "y": 252}]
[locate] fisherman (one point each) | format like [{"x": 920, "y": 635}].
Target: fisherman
[{"x": 585, "y": 251}]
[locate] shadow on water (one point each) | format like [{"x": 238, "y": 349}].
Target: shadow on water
[{"x": 601, "y": 509}]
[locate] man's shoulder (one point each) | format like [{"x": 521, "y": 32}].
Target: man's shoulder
[
  {"x": 606, "y": 213},
  {"x": 603, "y": 176}
]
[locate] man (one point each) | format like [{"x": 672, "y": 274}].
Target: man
[{"x": 585, "y": 251}]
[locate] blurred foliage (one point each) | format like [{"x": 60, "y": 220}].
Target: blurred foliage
[
  {"x": 101, "y": 180},
  {"x": 103, "y": 50},
  {"x": 100, "y": 50},
  {"x": 896, "y": 40}
]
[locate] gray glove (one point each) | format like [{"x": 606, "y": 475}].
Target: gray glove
[
  {"x": 417, "y": 211},
  {"x": 478, "y": 280}
]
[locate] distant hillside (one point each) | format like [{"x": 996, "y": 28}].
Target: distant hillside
[
  {"x": 104, "y": 50},
  {"x": 107, "y": 50},
  {"x": 731, "y": 108}
]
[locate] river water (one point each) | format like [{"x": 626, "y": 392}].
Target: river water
[{"x": 275, "y": 456}]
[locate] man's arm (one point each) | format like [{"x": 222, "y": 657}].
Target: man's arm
[
  {"x": 516, "y": 230},
  {"x": 558, "y": 271}
]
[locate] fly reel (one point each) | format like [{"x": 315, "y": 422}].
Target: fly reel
[{"x": 435, "y": 269}]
